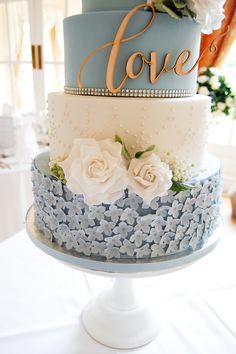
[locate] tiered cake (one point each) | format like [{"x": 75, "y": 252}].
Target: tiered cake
[{"x": 127, "y": 176}]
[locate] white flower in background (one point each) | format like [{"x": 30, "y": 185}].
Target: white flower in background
[
  {"x": 217, "y": 113},
  {"x": 209, "y": 14},
  {"x": 214, "y": 82},
  {"x": 149, "y": 177},
  {"x": 202, "y": 70},
  {"x": 230, "y": 102},
  {"x": 202, "y": 79},
  {"x": 96, "y": 170},
  {"x": 221, "y": 106},
  {"x": 203, "y": 91},
  {"x": 214, "y": 71}
]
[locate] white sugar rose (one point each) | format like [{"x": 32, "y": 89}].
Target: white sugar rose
[
  {"x": 149, "y": 177},
  {"x": 209, "y": 14},
  {"x": 203, "y": 91},
  {"x": 96, "y": 170}
]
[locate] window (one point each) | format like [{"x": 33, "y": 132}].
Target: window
[{"x": 24, "y": 23}]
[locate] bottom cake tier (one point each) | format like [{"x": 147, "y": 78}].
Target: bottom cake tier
[{"x": 127, "y": 229}]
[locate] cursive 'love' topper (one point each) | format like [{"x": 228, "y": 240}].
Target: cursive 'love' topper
[{"x": 178, "y": 68}]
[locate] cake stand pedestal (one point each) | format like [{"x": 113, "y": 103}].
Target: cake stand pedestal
[{"x": 116, "y": 317}]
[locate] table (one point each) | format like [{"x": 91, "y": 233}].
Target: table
[
  {"x": 16, "y": 197},
  {"x": 41, "y": 302}
]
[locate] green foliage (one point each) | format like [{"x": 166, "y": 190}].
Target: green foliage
[
  {"x": 180, "y": 187},
  {"x": 58, "y": 172},
  {"x": 125, "y": 151},
  {"x": 175, "y": 8},
  {"x": 140, "y": 153},
  {"x": 218, "y": 95}
]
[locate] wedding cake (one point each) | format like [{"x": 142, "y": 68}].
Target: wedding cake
[{"x": 127, "y": 176}]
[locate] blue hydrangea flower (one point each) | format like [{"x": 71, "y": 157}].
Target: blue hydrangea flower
[
  {"x": 200, "y": 230},
  {"x": 201, "y": 201},
  {"x": 133, "y": 201},
  {"x": 155, "y": 203},
  {"x": 98, "y": 248},
  {"x": 143, "y": 252},
  {"x": 83, "y": 247},
  {"x": 155, "y": 236},
  {"x": 113, "y": 213},
  {"x": 79, "y": 200},
  {"x": 96, "y": 212},
  {"x": 180, "y": 232},
  {"x": 93, "y": 234},
  {"x": 192, "y": 228},
  {"x": 184, "y": 244},
  {"x": 57, "y": 188},
  {"x": 51, "y": 222},
  {"x": 196, "y": 215},
  {"x": 185, "y": 219},
  {"x": 60, "y": 203},
  {"x": 69, "y": 242},
  {"x": 68, "y": 194},
  {"x": 48, "y": 209},
  {"x": 175, "y": 209},
  {"x": 63, "y": 230},
  {"x": 123, "y": 229},
  {"x": 173, "y": 247},
  {"x": 79, "y": 235},
  {"x": 206, "y": 216},
  {"x": 127, "y": 248},
  {"x": 171, "y": 224},
  {"x": 188, "y": 205},
  {"x": 166, "y": 238},
  {"x": 138, "y": 237},
  {"x": 182, "y": 196},
  {"x": 73, "y": 222},
  {"x": 84, "y": 222},
  {"x": 157, "y": 251},
  {"x": 112, "y": 252},
  {"x": 106, "y": 227},
  {"x": 113, "y": 241},
  {"x": 47, "y": 233},
  {"x": 61, "y": 216},
  {"x": 129, "y": 215},
  {"x": 73, "y": 209},
  {"x": 159, "y": 223},
  {"x": 46, "y": 184},
  {"x": 120, "y": 202},
  {"x": 163, "y": 211},
  {"x": 169, "y": 198},
  {"x": 196, "y": 191},
  {"x": 50, "y": 199},
  {"x": 144, "y": 223}
]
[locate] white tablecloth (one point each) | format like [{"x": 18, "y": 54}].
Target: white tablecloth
[
  {"x": 41, "y": 302},
  {"x": 16, "y": 197}
]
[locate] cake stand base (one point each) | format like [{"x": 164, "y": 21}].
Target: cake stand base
[{"x": 117, "y": 319}]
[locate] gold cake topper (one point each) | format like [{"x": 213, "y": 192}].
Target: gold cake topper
[{"x": 178, "y": 67}]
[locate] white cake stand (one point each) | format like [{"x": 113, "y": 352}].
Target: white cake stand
[{"x": 117, "y": 318}]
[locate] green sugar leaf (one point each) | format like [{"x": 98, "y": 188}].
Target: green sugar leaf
[
  {"x": 140, "y": 153},
  {"x": 125, "y": 151},
  {"x": 180, "y": 187}
]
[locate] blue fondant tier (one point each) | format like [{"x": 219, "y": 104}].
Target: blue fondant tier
[
  {"x": 105, "y": 5},
  {"x": 127, "y": 229},
  {"x": 84, "y": 33}
]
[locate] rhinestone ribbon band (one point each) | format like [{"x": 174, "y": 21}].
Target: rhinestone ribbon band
[{"x": 129, "y": 92}]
